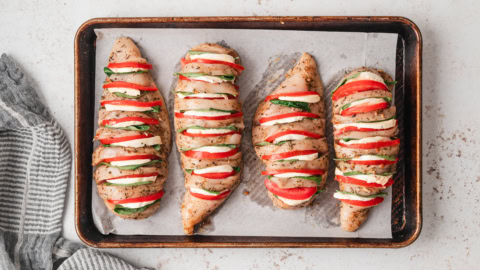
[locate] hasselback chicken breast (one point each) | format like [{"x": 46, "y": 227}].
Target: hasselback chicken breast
[
  {"x": 289, "y": 137},
  {"x": 365, "y": 142},
  {"x": 209, "y": 126},
  {"x": 134, "y": 133}
]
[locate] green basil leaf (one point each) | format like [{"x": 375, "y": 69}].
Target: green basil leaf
[
  {"x": 198, "y": 52},
  {"x": 381, "y": 194},
  {"x": 352, "y": 173},
  {"x": 127, "y": 211},
  {"x": 377, "y": 120},
  {"x": 135, "y": 128},
  {"x": 109, "y": 72},
  {"x": 390, "y": 83},
  {"x": 360, "y": 173},
  {"x": 155, "y": 109},
  {"x": 129, "y": 185},
  {"x": 157, "y": 147},
  {"x": 189, "y": 170},
  {"x": 387, "y": 99},
  {"x": 292, "y": 104},
  {"x": 234, "y": 128},
  {"x": 348, "y": 139},
  {"x": 209, "y": 110},
  {"x": 263, "y": 144},
  {"x": 131, "y": 167},
  {"x": 344, "y": 81},
  {"x": 320, "y": 191},
  {"x": 211, "y": 191},
  {"x": 237, "y": 169},
  {"x": 194, "y": 75},
  {"x": 122, "y": 95},
  {"x": 268, "y": 143},
  {"x": 316, "y": 178}
]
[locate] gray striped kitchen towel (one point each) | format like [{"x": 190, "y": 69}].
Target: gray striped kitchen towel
[{"x": 35, "y": 163}]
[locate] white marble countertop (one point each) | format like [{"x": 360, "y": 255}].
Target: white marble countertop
[{"x": 39, "y": 36}]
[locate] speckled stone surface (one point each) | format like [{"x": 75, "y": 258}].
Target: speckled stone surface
[{"x": 39, "y": 36}]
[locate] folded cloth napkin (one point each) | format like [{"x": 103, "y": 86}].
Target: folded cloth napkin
[{"x": 35, "y": 163}]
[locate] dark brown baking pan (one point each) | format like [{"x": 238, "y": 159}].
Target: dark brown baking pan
[{"x": 407, "y": 191}]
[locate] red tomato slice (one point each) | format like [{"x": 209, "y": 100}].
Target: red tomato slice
[
  {"x": 123, "y": 158},
  {"x": 286, "y": 115},
  {"x": 353, "y": 181},
  {"x": 125, "y": 138},
  {"x": 217, "y": 175},
  {"x": 208, "y": 61},
  {"x": 129, "y": 64},
  {"x": 373, "y": 162},
  {"x": 120, "y": 84},
  {"x": 210, "y": 198},
  {"x": 149, "y": 121},
  {"x": 207, "y": 155},
  {"x": 223, "y": 117},
  {"x": 287, "y": 132},
  {"x": 363, "y": 109},
  {"x": 357, "y": 86},
  {"x": 370, "y": 203},
  {"x": 313, "y": 172},
  {"x": 294, "y": 94},
  {"x": 301, "y": 193},
  {"x": 372, "y": 145},
  {"x": 132, "y": 103},
  {"x": 209, "y": 135},
  {"x": 152, "y": 197},
  {"x": 133, "y": 176},
  {"x": 352, "y": 128},
  {"x": 289, "y": 154}
]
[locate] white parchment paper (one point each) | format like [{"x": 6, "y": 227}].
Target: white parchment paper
[{"x": 267, "y": 55}]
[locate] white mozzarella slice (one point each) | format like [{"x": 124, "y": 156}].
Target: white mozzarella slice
[
  {"x": 290, "y": 137},
  {"x": 130, "y": 162},
  {"x": 368, "y": 157},
  {"x": 291, "y": 174},
  {"x": 132, "y": 180},
  {"x": 367, "y": 140},
  {"x": 204, "y": 192},
  {"x": 206, "y": 113},
  {"x": 210, "y": 79},
  {"x": 127, "y": 69},
  {"x": 136, "y": 205},
  {"x": 283, "y": 120},
  {"x": 127, "y": 91},
  {"x": 366, "y": 75},
  {"x": 377, "y": 125},
  {"x": 127, "y": 124},
  {"x": 213, "y": 149},
  {"x": 213, "y": 56},
  {"x": 203, "y": 95},
  {"x": 140, "y": 142},
  {"x": 369, "y": 178},
  {"x": 353, "y": 197},
  {"x": 367, "y": 102},
  {"x": 293, "y": 202},
  {"x": 303, "y": 157},
  {"x": 307, "y": 99},
  {"x": 214, "y": 169},
  {"x": 112, "y": 107},
  {"x": 208, "y": 131}
]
